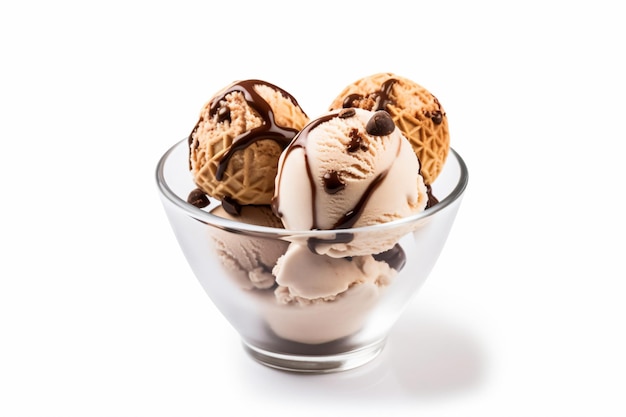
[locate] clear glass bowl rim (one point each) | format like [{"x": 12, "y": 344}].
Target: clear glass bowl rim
[{"x": 226, "y": 224}]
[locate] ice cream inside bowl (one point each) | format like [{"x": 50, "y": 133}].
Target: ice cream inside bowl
[{"x": 295, "y": 306}]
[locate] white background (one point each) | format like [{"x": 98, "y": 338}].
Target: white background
[{"x": 100, "y": 314}]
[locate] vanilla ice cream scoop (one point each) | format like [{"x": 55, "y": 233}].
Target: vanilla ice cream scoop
[
  {"x": 248, "y": 259},
  {"x": 320, "y": 299},
  {"x": 348, "y": 168}
]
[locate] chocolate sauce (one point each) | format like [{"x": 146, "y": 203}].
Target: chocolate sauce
[
  {"x": 432, "y": 200},
  {"x": 382, "y": 97},
  {"x": 223, "y": 114},
  {"x": 350, "y": 99},
  {"x": 299, "y": 141},
  {"x": 332, "y": 182},
  {"x": 195, "y": 128},
  {"x": 350, "y": 218},
  {"x": 312, "y": 242},
  {"x": 190, "y": 139},
  {"x": 268, "y": 130},
  {"x": 395, "y": 257}
]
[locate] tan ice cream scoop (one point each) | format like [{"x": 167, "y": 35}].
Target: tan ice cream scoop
[
  {"x": 235, "y": 145},
  {"x": 417, "y": 113}
]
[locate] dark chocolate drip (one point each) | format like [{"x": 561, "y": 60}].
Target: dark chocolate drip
[
  {"x": 382, "y": 97},
  {"x": 395, "y": 257},
  {"x": 299, "y": 141},
  {"x": 268, "y": 130},
  {"x": 312, "y": 242},
  {"x": 432, "y": 200},
  {"x": 190, "y": 139},
  {"x": 223, "y": 114},
  {"x": 350, "y": 99},
  {"x": 350, "y": 218}
]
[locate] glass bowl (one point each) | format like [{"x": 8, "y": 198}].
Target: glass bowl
[{"x": 351, "y": 303}]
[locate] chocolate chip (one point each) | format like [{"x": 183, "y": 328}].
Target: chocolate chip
[
  {"x": 223, "y": 114},
  {"x": 332, "y": 182},
  {"x": 345, "y": 113},
  {"x": 380, "y": 124},
  {"x": 231, "y": 206},
  {"x": 198, "y": 198},
  {"x": 351, "y": 100},
  {"x": 437, "y": 117}
]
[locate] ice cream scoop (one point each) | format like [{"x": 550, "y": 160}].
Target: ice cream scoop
[
  {"x": 249, "y": 260},
  {"x": 415, "y": 110},
  {"x": 320, "y": 299},
  {"x": 235, "y": 145},
  {"x": 346, "y": 169}
]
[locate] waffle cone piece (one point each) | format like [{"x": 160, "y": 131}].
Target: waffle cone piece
[
  {"x": 235, "y": 146},
  {"x": 415, "y": 111}
]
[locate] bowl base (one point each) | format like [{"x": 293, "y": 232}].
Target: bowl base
[{"x": 315, "y": 364}]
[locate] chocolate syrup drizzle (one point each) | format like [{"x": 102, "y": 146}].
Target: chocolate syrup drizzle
[
  {"x": 382, "y": 98},
  {"x": 268, "y": 130},
  {"x": 300, "y": 141},
  {"x": 350, "y": 218},
  {"x": 395, "y": 257}
]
